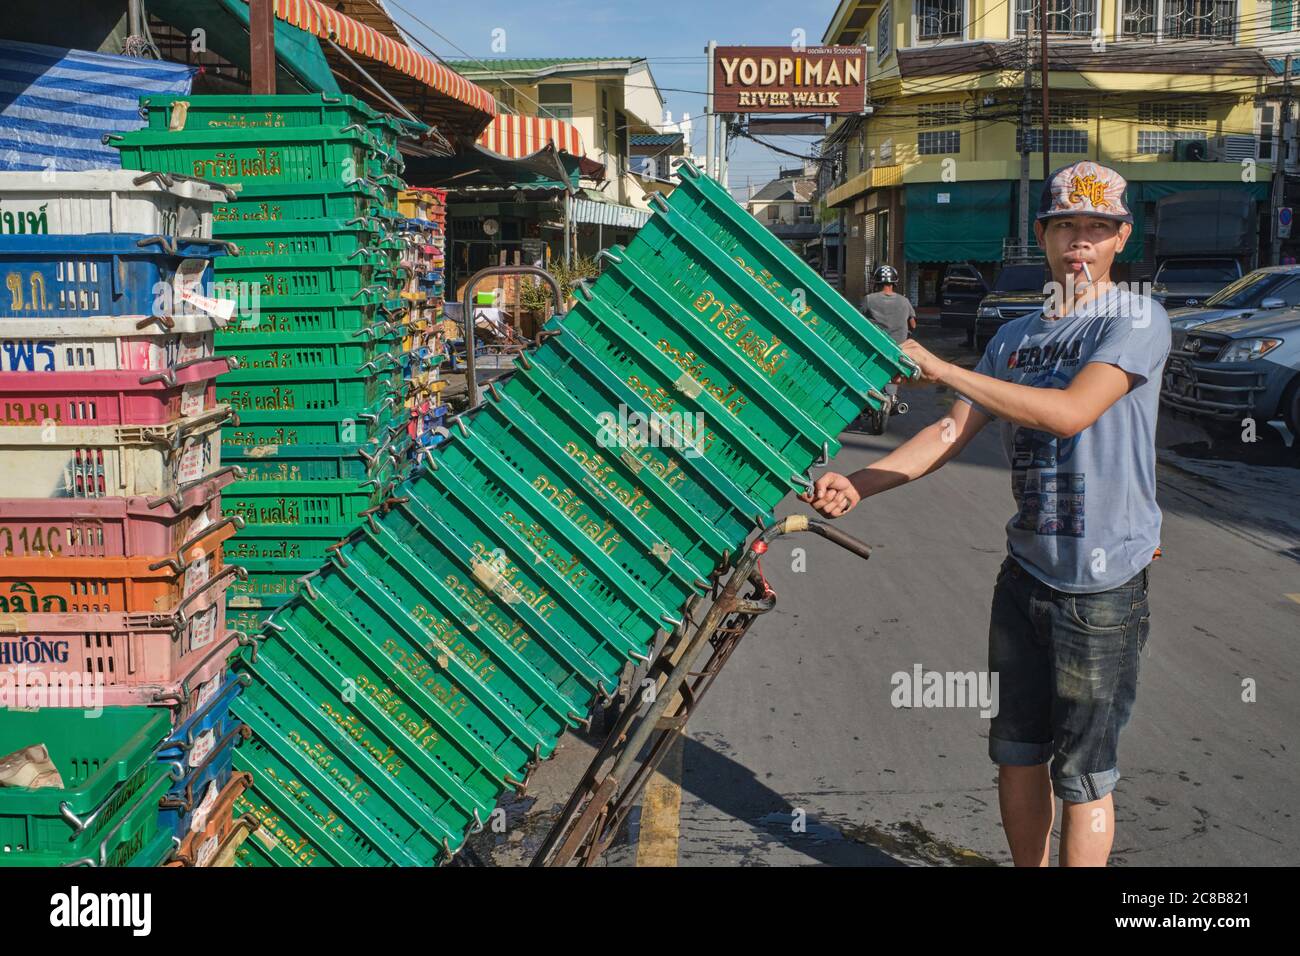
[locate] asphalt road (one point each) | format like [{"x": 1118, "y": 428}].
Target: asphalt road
[{"x": 798, "y": 756}]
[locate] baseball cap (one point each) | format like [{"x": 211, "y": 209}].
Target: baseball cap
[{"x": 1085, "y": 188}]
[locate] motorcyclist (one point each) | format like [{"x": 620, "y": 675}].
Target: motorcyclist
[{"x": 889, "y": 310}]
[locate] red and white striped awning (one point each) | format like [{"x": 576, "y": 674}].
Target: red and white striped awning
[
  {"x": 319, "y": 20},
  {"x": 520, "y": 136}
]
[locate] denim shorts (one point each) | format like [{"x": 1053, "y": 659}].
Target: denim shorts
[{"x": 1067, "y": 667}]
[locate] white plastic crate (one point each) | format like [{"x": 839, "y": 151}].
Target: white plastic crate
[
  {"x": 107, "y": 200},
  {"x": 103, "y": 344},
  {"x": 60, "y": 461}
]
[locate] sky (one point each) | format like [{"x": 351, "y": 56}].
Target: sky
[{"x": 670, "y": 33}]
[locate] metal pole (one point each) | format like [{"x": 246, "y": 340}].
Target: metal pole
[
  {"x": 467, "y": 312},
  {"x": 261, "y": 46},
  {"x": 1024, "y": 143},
  {"x": 1047, "y": 134},
  {"x": 725, "y": 130},
  {"x": 567, "y": 228},
  {"x": 709, "y": 118},
  {"x": 1279, "y": 166}
]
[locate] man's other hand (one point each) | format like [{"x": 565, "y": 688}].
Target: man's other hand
[{"x": 833, "y": 495}]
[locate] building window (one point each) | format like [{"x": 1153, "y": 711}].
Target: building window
[
  {"x": 773, "y": 213},
  {"x": 1062, "y": 141},
  {"x": 938, "y": 114},
  {"x": 1173, "y": 114},
  {"x": 555, "y": 100},
  {"x": 938, "y": 142},
  {"x": 1266, "y": 114},
  {"x": 936, "y": 19},
  {"x": 1162, "y": 140},
  {"x": 1074, "y": 17},
  {"x": 1281, "y": 15},
  {"x": 804, "y": 213},
  {"x": 1207, "y": 19},
  {"x": 884, "y": 33},
  {"x": 1204, "y": 19},
  {"x": 505, "y": 95}
]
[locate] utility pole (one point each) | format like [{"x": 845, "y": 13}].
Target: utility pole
[
  {"x": 1024, "y": 142},
  {"x": 709, "y": 119},
  {"x": 1047, "y": 129},
  {"x": 1279, "y": 165}
]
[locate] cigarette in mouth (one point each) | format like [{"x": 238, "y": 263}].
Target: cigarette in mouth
[{"x": 1087, "y": 273}]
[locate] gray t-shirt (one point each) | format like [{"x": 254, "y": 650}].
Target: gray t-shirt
[
  {"x": 1087, "y": 519},
  {"x": 890, "y": 312}
]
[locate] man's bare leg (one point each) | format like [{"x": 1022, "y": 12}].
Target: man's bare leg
[
  {"x": 1087, "y": 832},
  {"x": 1025, "y": 797}
]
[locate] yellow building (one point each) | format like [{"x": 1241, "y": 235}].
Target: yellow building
[{"x": 1162, "y": 90}]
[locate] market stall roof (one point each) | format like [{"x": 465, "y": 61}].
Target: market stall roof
[
  {"x": 481, "y": 168},
  {"x": 434, "y": 93},
  {"x": 518, "y": 136}
]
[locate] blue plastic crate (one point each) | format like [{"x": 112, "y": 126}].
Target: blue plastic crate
[
  {"x": 95, "y": 274},
  {"x": 202, "y": 747}
]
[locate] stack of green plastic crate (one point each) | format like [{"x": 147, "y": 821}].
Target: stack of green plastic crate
[
  {"x": 105, "y": 813},
  {"x": 446, "y": 646},
  {"x": 318, "y": 334}
]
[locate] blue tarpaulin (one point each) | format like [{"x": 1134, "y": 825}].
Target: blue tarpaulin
[{"x": 55, "y": 104}]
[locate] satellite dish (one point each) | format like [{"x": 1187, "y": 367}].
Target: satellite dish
[{"x": 491, "y": 227}]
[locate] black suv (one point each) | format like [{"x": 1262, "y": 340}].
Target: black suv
[
  {"x": 960, "y": 293},
  {"x": 1017, "y": 291}
]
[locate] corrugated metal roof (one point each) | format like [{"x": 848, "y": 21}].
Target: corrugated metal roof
[
  {"x": 655, "y": 139},
  {"x": 489, "y": 65},
  {"x": 608, "y": 214}
]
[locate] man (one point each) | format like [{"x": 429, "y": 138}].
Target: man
[
  {"x": 1076, "y": 389},
  {"x": 889, "y": 310}
]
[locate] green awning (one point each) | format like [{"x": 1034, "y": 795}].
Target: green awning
[
  {"x": 951, "y": 222},
  {"x": 300, "y": 62},
  {"x": 1139, "y": 194}
]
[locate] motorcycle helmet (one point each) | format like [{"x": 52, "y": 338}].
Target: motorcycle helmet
[{"x": 885, "y": 275}]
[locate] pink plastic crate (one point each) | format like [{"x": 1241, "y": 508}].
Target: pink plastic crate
[
  {"x": 110, "y": 398},
  {"x": 137, "y": 665},
  {"x": 106, "y": 527}
]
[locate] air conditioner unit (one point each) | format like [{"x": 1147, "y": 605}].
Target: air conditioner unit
[
  {"x": 1233, "y": 149},
  {"x": 1191, "y": 151}
]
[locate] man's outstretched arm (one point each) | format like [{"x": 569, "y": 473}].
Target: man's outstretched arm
[
  {"x": 930, "y": 448},
  {"x": 1063, "y": 412}
]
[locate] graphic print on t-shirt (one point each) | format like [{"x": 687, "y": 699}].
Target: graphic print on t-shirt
[{"x": 1051, "y": 501}]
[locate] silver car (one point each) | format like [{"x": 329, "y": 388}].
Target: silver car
[{"x": 1273, "y": 287}]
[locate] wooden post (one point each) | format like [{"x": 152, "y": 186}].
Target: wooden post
[{"x": 261, "y": 50}]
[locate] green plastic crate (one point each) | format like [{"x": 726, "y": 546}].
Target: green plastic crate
[
  {"x": 276, "y": 842},
  {"x": 320, "y": 274},
  {"x": 357, "y": 461},
  {"x": 296, "y": 390},
  {"x": 285, "y": 202},
  {"x": 308, "y": 154},
  {"x": 109, "y": 773},
  {"x": 362, "y": 317},
  {"x": 298, "y": 350},
  {"x": 303, "y": 504},
  {"x": 270, "y": 583},
  {"x": 221, "y": 113},
  {"x": 329, "y": 426},
  {"x": 709, "y": 243},
  {"x": 298, "y": 237},
  {"x": 268, "y": 542},
  {"x": 382, "y": 787}
]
